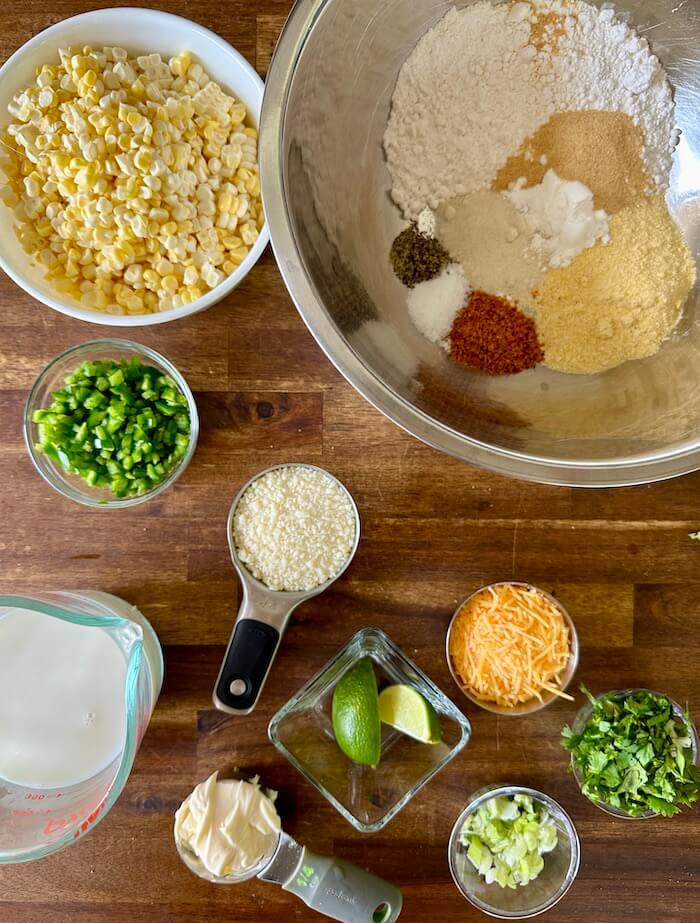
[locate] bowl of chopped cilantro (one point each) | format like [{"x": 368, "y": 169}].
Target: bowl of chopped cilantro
[
  {"x": 110, "y": 423},
  {"x": 634, "y": 753},
  {"x": 514, "y": 852}
]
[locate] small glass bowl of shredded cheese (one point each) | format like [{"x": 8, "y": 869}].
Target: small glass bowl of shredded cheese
[
  {"x": 512, "y": 648},
  {"x": 129, "y": 178}
]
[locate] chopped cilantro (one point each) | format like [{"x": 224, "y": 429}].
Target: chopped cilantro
[{"x": 635, "y": 754}]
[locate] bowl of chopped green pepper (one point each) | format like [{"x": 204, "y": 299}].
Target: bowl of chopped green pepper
[
  {"x": 634, "y": 753},
  {"x": 514, "y": 852},
  {"x": 110, "y": 423}
]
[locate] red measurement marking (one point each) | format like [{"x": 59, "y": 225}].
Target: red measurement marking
[
  {"x": 54, "y": 825},
  {"x": 58, "y": 823}
]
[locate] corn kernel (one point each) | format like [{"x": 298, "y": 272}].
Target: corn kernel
[
  {"x": 170, "y": 284},
  {"x": 143, "y": 159}
]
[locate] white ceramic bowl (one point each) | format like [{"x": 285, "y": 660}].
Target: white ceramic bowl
[{"x": 139, "y": 31}]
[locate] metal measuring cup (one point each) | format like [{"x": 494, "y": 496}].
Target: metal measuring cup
[
  {"x": 331, "y": 886},
  {"x": 262, "y": 618}
]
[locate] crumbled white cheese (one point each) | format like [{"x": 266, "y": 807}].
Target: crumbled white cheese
[{"x": 294, "y": 528}]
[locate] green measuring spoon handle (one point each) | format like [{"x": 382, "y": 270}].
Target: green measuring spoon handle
[{"x": 343, "y": 891}]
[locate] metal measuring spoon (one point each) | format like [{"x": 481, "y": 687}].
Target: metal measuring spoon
[
  {"x": 331, "y": 886},
  {"x": 262, "y": 618}
]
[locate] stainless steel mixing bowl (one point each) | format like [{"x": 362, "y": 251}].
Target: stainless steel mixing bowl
[{"x": 326, "y": 196}]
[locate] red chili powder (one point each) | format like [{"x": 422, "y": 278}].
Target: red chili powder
[{"x": 491, "y": 334}]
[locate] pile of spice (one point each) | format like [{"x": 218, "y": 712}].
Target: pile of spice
[
  {"x": 532, "y": 143},
  {"x": 416, "y": 257},
  {"x": 434, "y": 304},
  {"x": 294, "y": 528},
  {"x": 491, "y": 334},
  {"x": 620, "y": 301}
]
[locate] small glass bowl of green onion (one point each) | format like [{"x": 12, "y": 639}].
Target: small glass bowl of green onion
[
  {"x": 513, "y": 852},
  {"x": 110, "y": 423}
]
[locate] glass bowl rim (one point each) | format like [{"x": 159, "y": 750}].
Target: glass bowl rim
[
  {"x": 454, "y": 712},
  {"x": 57, "y": 478},
  {"x": 582, "y": 716},
  {"x": 523, "y": 709},
  {"x": 492, "y": 791}
]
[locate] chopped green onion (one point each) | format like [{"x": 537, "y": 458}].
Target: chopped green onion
[{"x": 507, "y": 837}]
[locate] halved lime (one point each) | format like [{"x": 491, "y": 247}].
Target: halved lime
[
  {"x": 355, "y": 714},
  {"x": 404, "y": 708}
]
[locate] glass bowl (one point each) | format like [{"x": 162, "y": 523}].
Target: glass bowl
[
  {"x": 532, "y": 705},
  {"x": 560, "y": 866},
  {"x": 52, "y": 378},
  {"x": 585, "y": 713},
  {"x": 367, "y": 798}
]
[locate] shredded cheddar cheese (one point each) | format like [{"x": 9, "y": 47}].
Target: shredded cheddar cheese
[{"x": 509, "y": 644}]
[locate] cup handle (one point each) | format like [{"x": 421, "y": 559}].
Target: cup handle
[
  {"x": 251, "y": 649},
  {"x": 343, "y": 891}
]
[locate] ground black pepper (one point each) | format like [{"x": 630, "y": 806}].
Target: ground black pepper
[{"x": 415, "y": 257}]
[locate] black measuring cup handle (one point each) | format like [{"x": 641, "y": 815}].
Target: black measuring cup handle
[
  {"x": 251, "y": 650},
  {"x": 248, "y": 658}
]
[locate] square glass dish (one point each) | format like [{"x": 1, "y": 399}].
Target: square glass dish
[{"x": 367, "y": 798}]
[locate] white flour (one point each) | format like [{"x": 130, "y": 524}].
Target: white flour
[{"x": 474, "y": 88}]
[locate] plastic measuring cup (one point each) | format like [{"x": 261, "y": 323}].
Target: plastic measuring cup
[
  {"x": 333, "y": 887},
  {"x": 36, "y": 822},
  {"x": 262, "y": 618}
]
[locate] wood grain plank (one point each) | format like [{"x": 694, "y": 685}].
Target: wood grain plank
[{"x": 268, "y": 27}]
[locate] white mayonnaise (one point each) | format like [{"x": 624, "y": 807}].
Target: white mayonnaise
[{"x": 229, "y": 825}]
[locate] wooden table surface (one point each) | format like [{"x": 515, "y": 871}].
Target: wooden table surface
[{"x": 434, "y": 529}]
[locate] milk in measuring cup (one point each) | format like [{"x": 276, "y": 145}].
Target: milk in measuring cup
[{"x": 62, "y": 713}]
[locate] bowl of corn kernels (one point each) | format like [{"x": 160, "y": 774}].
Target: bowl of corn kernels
[{"x": 129, "y": 189}]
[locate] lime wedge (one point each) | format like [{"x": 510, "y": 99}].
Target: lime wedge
[
  {"x": 404, "y": 708},
  {"x": 355, "y": 714}
]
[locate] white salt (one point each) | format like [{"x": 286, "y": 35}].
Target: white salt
[{"x": 433, "y": 305}]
